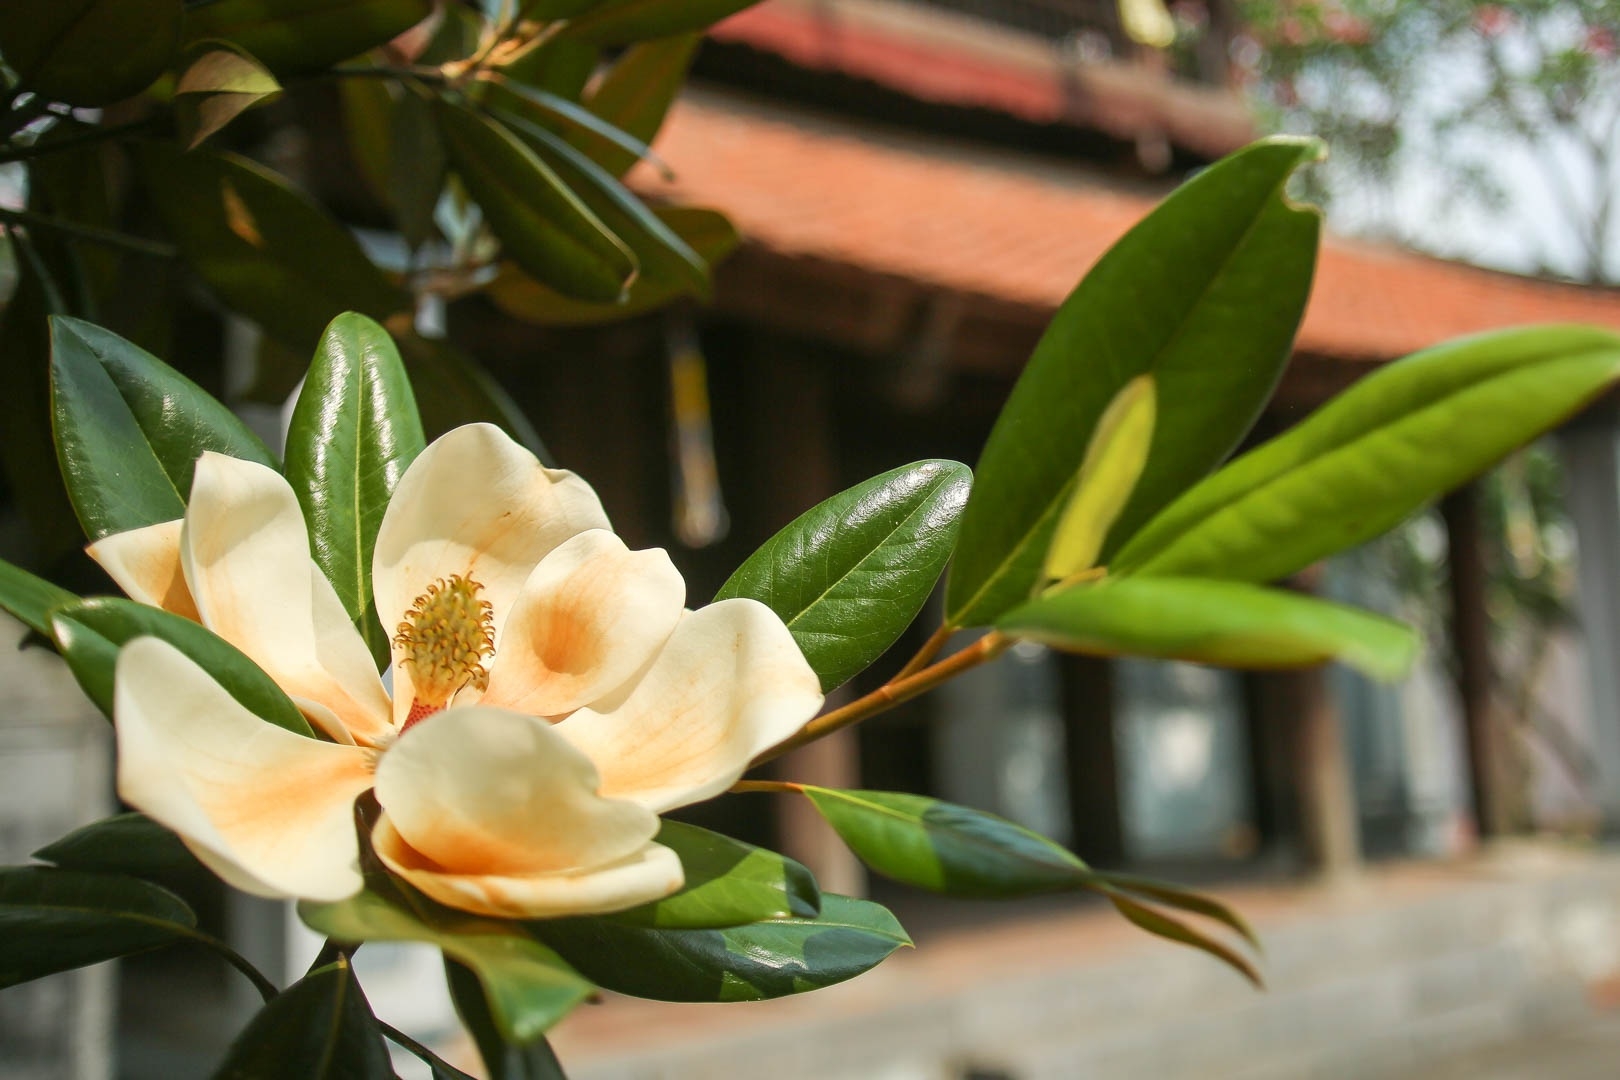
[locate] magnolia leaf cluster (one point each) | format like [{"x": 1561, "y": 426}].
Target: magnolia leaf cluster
[{"x": 550, "y": 694}]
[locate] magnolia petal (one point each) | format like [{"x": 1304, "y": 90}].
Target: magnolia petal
[
  {"x": 591, "y": 615},
  {"x": 482, "y": 791},
  {"x": 477, "y": 504},
  {"x": 651, "y": 873},
  {"x": 146, "y": 565},
  {"x": 270, "y": 811},
  {"x": 729, "y": 684},
  {"x": 246, "y": 555}
]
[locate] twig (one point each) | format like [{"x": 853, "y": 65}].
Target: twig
[
  {"x": 893, "y": 693},
  {"x": 41, "y": 148},
  {"x": 421, "y": 1051},
  {"x": 92, "y": 233}
]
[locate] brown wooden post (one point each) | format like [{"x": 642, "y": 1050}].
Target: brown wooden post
[
  {"x": 791, "y": 448},
  {"x": 1330, "y": 827},
  {"x": 1471, "y": 643}
]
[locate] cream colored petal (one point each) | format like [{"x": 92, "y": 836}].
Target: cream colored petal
[
  {"x": 270, "y": 811},
  {"x": 651, "y": 873},
  {"x": 477, "y": 504},
  {"x": 146, "y": 565},
  {"x": 591, "y": 615},
  {"x": 489, "y": 792},
  {"x": 729, "y": 684},
  {"x": 246, "y": 556}
]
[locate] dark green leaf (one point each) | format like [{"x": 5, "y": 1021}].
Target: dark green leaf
[
  {"x": 743, "y": 963},
  {"x": 619, "y": 22},
  {"x": 304, "y": 35},
  {"x": 728, "y": 883},
  {"x": 1161, "y": 925},
  {"x": 354, "y": 430},
  {"x": 528, "y": 988},
  {"x": 57, "y": 920},
  {"x": 543, "y": 225},
  {"x": 417, "y": 164},
  {"x": 265, "y": 248},
  {"x": 1185, "y": 899},
  {"x": 129, "y": 429},
  {"x": 451, "y": 390},
  {"x": 1204, "y": 294},
  {"x": 634, "y": 96},
  {"x": 1213, "y": 622},
  {"x": 30, "y": 599},
  {"x": 555, "y": 113},
  {"x": 89, "y": 633},
  {"x": 89, "y": 52},
  {"x": 659, "y": 251},
  {"x": 706, "y": 232},
  {"x": 849, "y": 575},
  {"x": 532, "y": 1060},
  {"x": 947, "y": 848},
  {"x": 319, "y": 1028},
  {"x": 129, "y": 843},
  {"x": 1405, "y": 434}
]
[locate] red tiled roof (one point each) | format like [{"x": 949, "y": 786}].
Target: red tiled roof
[
  {"x": 949, "y": 59},
  {"x": 972, "y": 225}
]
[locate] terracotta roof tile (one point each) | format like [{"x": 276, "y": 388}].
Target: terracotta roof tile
[{"x": 968, "y": 222}]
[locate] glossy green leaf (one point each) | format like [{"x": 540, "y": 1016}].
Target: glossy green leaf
[
  {"x": 129, "y": 843},
  {"x": 89, "y": 633},
  {"x": 57, "y": 920},
  {"x": 1112, "y": 466},
  {"x": 619, "y": 22},
  {"x": 1172, "y": 929},
  {"x": 319, "y": 1028},
  {"x": 353, "y": 432},
  {"x": 129, "y": 429},
  {"x": 1204, "y": 294},
  {"x": 1213, "y": 622},
  {"x": 30, "y": 599},
  {"x": 659, "y": 251},
  {"x": 743, "y": 963},
  {"x": 728, "y": 883},
  {"x": 706, "y": 232},
  {"x": 217, "y": 87},
  {"x": 527, "y": 987},
  {"x": 634, "y": 95},
  {"x": 265, "y": 249},
  {"x": 543, "y": 225},
  {"x": 89, "y": 52},
  {"x": 1403, "y": 435},
  {"x": 300, "y": 36},
  {"x": 946, "y": 848},
  {"x": 848, "y": 575},
  {"x": 532, "y": 1060}
]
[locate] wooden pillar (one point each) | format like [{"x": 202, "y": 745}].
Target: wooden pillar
[
  {"x": 791, "y": 447},
  {"x": 1590, "y": 449},
  {"x": 1091, "y": 761},
  {"x": 1471, "y": 644}
]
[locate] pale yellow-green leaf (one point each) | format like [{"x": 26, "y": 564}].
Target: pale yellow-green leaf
[{"x": 1113, "y": 464}]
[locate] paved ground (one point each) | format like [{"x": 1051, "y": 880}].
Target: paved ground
[{"x": 1588, "y": 1052}]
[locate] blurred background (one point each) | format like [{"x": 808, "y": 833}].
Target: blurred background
[{"x": 916, "y": 185}]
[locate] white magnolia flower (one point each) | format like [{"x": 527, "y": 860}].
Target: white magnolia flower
[{"x": 551, "y": 694}]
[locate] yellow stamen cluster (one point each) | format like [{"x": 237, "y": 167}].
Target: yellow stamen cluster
[{"x": 445, "y": 637}]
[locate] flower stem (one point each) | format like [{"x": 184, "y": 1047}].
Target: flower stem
[
  {"x": 744, "y": 786},
  {"x": 437, "y": 1063},
  {"x": 892, "y": 693},
  {"x": 930, "y": 649},
  {"x": 263, "y": 985}
]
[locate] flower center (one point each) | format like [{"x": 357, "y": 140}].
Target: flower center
[{"x": 445, "y": 638}]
